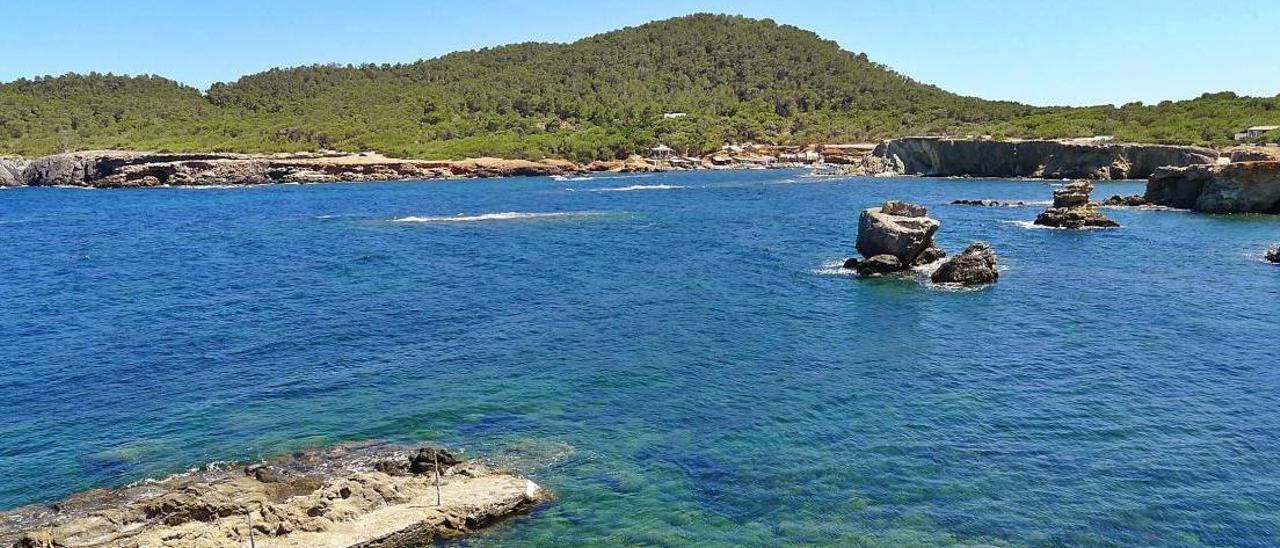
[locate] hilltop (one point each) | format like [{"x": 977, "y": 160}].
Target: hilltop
[{"x": 734, "y": 78}]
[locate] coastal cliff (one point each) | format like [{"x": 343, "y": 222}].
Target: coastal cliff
[
  {"x": 115, "y": 169},
  {"x": 1240, "y": 187},
  {"x": 944, "y": 157}
]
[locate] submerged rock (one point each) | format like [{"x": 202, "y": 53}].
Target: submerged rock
[
  {"x": 879, "y": 265},
  {"x": 1273, "y": 256},
  {"x": 1071, "y": 209},
  {"x": 897, "y": 228},
  {"x": 973, "y": 266}
]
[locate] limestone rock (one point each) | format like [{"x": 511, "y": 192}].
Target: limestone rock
[
  {"x": 1132, "y": 200},
  {"x": 905, "y": 237},
  {"x": 11, "y": 168},
  {"x": 1255, "y": 154},
  {"x": 879, "y": 265},
  {"x": 1060, "y": 159},
  {"x": 973, "y": 266},
  {"x": 1072, "y": 209},
  {"x": 1244, "y": 187},
  {"x": 930, "y": 254}
]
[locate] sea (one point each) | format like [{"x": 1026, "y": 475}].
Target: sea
[{"x": 678, "y": 356}]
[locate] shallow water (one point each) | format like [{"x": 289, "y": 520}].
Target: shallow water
[{"x": 681, "y": 363}]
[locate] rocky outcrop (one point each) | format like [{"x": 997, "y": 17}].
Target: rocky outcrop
[
  {"x": 115, "y": 169},
  {"x": 358, "y": 495},
  {"x": 1273, "y": 255},
  {"x": 987, "y": 203},
  {"x": 944, "y": 157},
  {"x": 975, "y": 265},
  {"x": 11, "y": 168},
  {"x": 878, "y": 265},
  {"x": 1242, "y": 187},
  {"x": 899, "y": 229},
  {"x": 1132, "y": 200},
  {"x": 1254, "y": 154},
  {"x": 1072, "y": 209}
]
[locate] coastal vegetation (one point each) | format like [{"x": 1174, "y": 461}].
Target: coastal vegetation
[{"x": 734, "y": 79}]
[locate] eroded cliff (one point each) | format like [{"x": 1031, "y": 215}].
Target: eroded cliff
[{"x": 943, "y": 157}]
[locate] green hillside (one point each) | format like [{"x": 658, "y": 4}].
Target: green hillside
[{"x": 738, "y": 79}]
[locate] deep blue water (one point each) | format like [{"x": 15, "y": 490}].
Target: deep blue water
[{"x": 681, "y": 365}]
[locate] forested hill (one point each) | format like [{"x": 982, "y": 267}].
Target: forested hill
[{"x": 738, "y": 79}]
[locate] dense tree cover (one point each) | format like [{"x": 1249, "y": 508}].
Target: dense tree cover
[{"x": 601, "y": 97}]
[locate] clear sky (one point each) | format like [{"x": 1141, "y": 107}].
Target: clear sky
[{"x": 1071, "y": 52}]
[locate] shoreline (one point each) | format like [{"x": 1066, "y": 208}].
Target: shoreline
[{"x": 353, "y": 494}]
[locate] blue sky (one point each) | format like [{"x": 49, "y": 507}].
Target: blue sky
[{"x": 1060, "y": 52}]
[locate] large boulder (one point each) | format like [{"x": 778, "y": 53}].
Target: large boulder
[
  {"x": 1132, "y": 200},
  {"x": 1242, "y": 187},
  {"x": 879, "y": 265},
  {"x": 1273, "y": 256},
  {"x": 973, "y": 266},
  {"x": 11, "y": 168},
  {"x": 896, "y": 228},
  {"x": 1072, "y": 209}
]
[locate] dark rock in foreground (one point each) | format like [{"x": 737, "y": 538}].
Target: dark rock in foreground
[
  {"x": 1071, "y": 209},
  {"x": 974, "y": 266},
  {"x": 944, "y": 157},
  {"x": 896, "y": 228},
  {"x": 1132, "y": 200},
  {"x": 1243, "y": 187},
  {"x": 879, "y": 265},
  {"x": 355, "y": 495},
  {"x": 1273, "y": 256}
]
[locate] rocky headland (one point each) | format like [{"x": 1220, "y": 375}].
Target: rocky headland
[
  {"x": 1056, "y": 159},
  {"x": 118, "y": 169},
  {"x": 1237, "y": 187},
  {"x": 353, "y": 495},
  {"x": 1072, "y": 209}
]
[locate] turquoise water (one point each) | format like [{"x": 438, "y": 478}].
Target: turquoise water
[{"x": 681, "y": 364}]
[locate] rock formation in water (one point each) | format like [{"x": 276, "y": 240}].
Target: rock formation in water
[
  {"x": 356, "y": 495},
  {"x": 1071, "y": 209},
  {"x": 1243, "y": 187},
  {"x": 987, "y": 203},
  {"x": 975, "y": 265},
  {"x": 878, "y": 265},
  {"x": 900, "y": 229},
  {"x": 944, "y": 157},
  {"x": 112, "y": 168},
  {"x": 1273, "y": 255},
  {"x": 1132, "y": 200}
]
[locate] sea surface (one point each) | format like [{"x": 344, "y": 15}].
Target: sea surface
[{"x": 677, "y": 356}]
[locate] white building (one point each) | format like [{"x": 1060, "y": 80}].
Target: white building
[{"x": 1255, "y": 132}]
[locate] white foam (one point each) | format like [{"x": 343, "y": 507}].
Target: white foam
[
  {"x": 635, "y": 187},
  {"x": 834, "y": 267},
  {"x": 504, "y": 216},
  {"x": 1032, "y": 225},
  {"x": 578, "y": 178}
]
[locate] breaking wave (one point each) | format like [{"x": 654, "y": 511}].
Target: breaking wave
[
  {"x": 635, "y": 187},
  {"x": 504, "y": 216}
]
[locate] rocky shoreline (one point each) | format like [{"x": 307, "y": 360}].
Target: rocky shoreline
[
  {"x": 1041, "y": 159},
  {"x": 1237, "y": 187},
  {"x": 126, "y": 169},
  {"x": 361, "y": 495}
]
